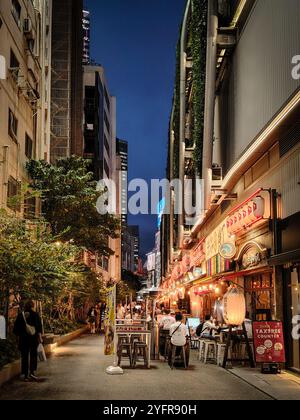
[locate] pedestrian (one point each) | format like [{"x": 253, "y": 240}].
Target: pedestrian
[
  {"x": 28, "y": 329},
  {"x": 92, "y": 316}
]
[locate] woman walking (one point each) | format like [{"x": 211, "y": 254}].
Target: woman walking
[{"x": 28, "y": 329}]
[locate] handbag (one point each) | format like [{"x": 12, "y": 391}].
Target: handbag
[
  {"x": 41, "y": 353},
  {"x": 29, "y": 328}
]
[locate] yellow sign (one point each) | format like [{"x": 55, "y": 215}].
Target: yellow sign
[{"x": 109, "y": 322}]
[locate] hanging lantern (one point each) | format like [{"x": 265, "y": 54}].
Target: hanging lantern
[{"x": 234, "y": 307}]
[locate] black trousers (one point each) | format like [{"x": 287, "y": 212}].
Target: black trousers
[{"x": 29, "y": 359}]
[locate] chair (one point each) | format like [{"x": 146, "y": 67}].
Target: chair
[
  {"x": 167, "y": 347},
  {"x": 221, "y": 347},
  {"x": 210, "y": 350},
  {"x": 201, "y": 349},
  {"x": 182, "y": 354},
  {"x": 124, "y": 349},
  {"x": 140, "y": 350}
]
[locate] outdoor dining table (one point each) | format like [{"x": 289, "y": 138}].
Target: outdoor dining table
[{"x": 145, "y": 334}]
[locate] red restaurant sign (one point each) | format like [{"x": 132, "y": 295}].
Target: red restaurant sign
[
  {"x": 198, "y": 254},
  {"x": 269, "y": 342}
]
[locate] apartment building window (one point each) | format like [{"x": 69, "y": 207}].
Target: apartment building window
[
  {"x": 28, "y": 147},
  {"x": 13, "y": 193},
  {"x": 106, "y": 122},
  {"x": 107, "y": 99},
  {"x": 14, "y": 66},
  {"x": 12, "y": 125},
  {"x": 106, "y": 144},
  {"x": 29, "y": 208},
  {"x": 16, "y": 12}
]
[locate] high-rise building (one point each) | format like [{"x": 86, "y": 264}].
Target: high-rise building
[
  {"x": 100, "y": 147},
  {"x": 135, "y": 233},
  {"x": 122, "y": 154},
  {"x": 86, "y": 37},
  {"x": 67, "y": 78},
  {"x": 99, "y": 123},
  {"x": 25, "y": 50}
]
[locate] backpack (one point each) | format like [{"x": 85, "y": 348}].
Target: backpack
[{"x": 199, "y": 330}]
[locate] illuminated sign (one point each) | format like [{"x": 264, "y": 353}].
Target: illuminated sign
[{"x": 160, "y": 211}]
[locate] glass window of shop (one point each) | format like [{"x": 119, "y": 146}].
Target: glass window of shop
[
  {"x": 295, "y": 314},
  {"x": 260, "y": 296}
]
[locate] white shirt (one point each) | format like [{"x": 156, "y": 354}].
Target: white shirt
[
  {"x": 166, "y": 322},
  {"x": 178, "y": 333},
  {"x": 2, "y": 328}
]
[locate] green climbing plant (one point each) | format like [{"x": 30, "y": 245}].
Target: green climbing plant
[{"x": 199, "y": 47}]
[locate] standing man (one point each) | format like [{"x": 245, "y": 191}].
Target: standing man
[{"x": 28, "y": 329}]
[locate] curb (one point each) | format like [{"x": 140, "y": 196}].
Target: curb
[{"x": 13, "y": 370}]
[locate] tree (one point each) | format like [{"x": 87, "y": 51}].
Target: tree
[
  {"x": 69, "y": 198},
  {"x": 32, "y": 266}
]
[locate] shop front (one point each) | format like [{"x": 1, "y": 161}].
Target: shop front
[
  {"x": 257, "y": 278},
  {"x": 288, "y": 272}
]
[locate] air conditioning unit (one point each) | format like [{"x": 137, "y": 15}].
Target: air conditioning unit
[
  {"x": 217, "y": 177},
  {"x": 27, "y": 28},
  {"x": 226, "y": 38}
]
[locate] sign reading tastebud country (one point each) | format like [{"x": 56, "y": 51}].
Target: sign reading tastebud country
[{"x": 269, "y": 342}]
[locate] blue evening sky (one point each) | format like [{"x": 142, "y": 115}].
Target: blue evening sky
[{"x": 135, "y": 41}]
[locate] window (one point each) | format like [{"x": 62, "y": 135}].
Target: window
[
  {"x": 13, "y": 194},
  {"x": 29, "y": 208},
  {"x": 12, "y": 125},
  {"x": 28, "y": 147},
  {"x": 14, "y": 66},
  {"x": 106, "y": 98},
  {"x": 106, "y": 144},
  {"x": 16, "y": 12},
  {"x": 106, "y": 122}
]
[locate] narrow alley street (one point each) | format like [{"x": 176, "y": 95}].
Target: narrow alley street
[{"x": 77, "y": 371}]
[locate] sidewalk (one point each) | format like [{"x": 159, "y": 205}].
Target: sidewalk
[{"x": 285, "y": 386}]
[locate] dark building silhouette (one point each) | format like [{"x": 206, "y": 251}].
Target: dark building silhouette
[{"x": 67, "y": 79}]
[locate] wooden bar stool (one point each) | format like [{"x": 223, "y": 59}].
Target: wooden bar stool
[
  {"x": 124, "y": 350},
  {"x": 182, "y": 355},
  {"x": 140, "y": 351}
]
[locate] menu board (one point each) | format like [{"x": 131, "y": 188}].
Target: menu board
[{"x": 269, "y": 342}]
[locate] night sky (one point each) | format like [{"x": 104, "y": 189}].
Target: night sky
[{"x": 135, "y": 41}]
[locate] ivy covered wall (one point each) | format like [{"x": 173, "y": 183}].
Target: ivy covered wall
[{"x": 199, "y": 46}]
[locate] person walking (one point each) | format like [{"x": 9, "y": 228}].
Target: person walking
[
  {"x": 92, "y": 316},
  {"x": 28, "y": 329}
]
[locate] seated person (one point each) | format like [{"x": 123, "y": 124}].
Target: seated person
[
  {"x": 179, "y": 337},
  {"x": 167, "y": 321},
  {"x": 209, "y": 328}
]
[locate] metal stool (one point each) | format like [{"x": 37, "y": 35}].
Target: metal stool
[
  {"x": 210, "y": 347},
  {"x": 140, "y": 350}
]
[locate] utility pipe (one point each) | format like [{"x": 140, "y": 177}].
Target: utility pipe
[{"x": 210, "y": 91}]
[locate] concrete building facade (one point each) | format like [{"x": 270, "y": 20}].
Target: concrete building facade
[
  {"x": 25, "y": 93},
  {"x": 246, "y": 234}
]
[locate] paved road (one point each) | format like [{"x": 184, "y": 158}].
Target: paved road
[{"x": 77, "y": 372}]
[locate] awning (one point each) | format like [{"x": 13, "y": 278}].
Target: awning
[{"x": 285, "y": 258}]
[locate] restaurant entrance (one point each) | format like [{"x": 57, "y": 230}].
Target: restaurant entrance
[{"x": 260, "y": 296}]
